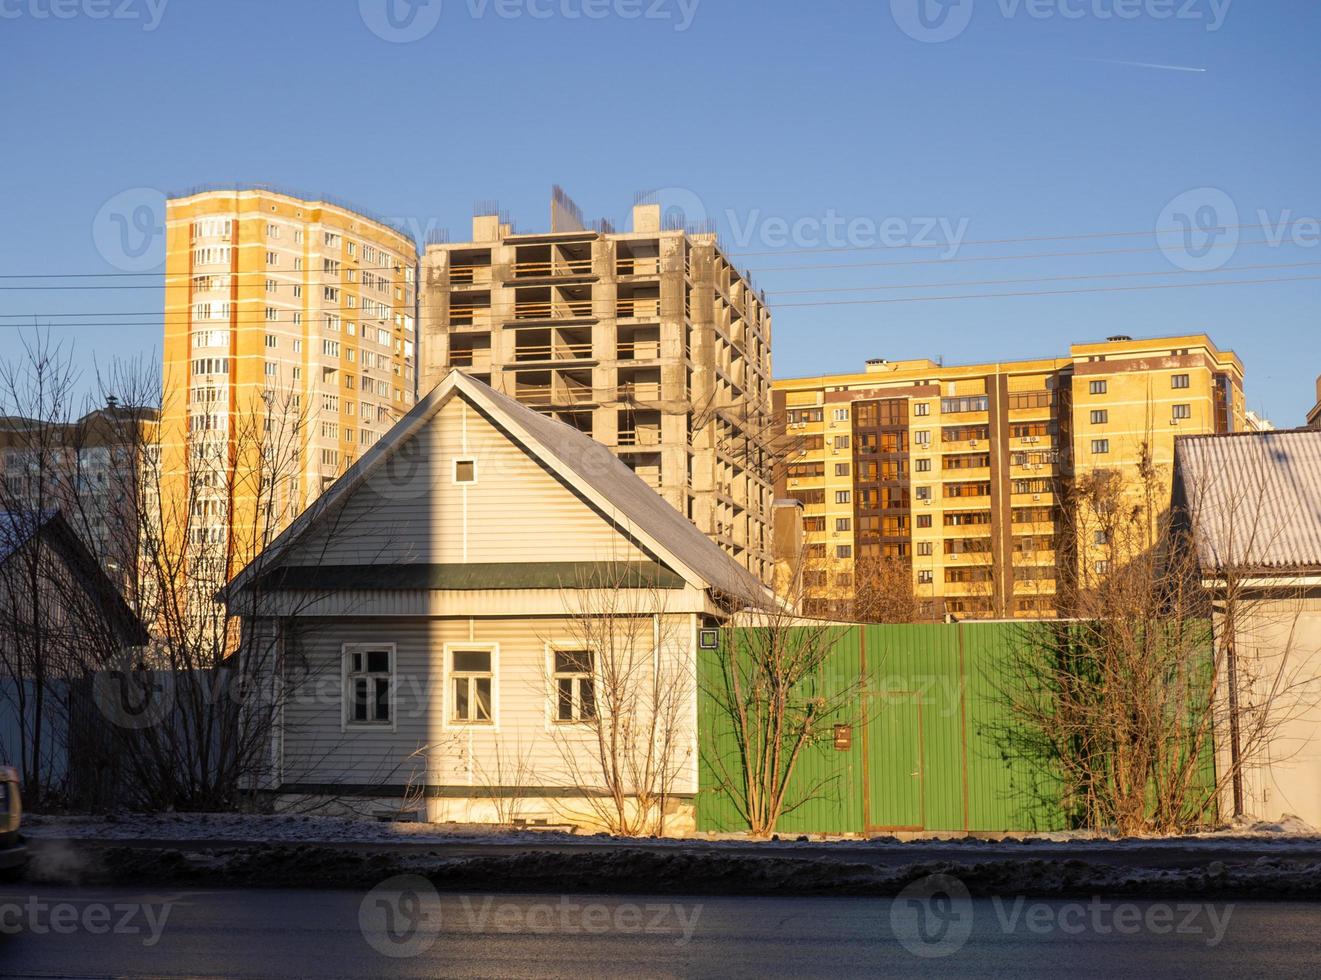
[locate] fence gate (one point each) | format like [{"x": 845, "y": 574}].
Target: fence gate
[{"x": 893, "y": 762}]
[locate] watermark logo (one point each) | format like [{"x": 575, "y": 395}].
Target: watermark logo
[
  {"x": 1101, "y": 918},
  {"x": 129, "y": 230},
  {"x": 1198, "y": 231},
  {"x": 407, "y": 473},
  {"x": 38, "y": 917},
  {"x": 932, "y": 917},
  {"x": 937, "y": 21},
  {"x": 404, "y": 21},
  {"x": 149, "y": 12},
  {"x": 932, "y": 21},
  {"x": 835, "y": 231},
  {"x": 400, "y": 917},
  {"x": 131, "y": 695},
  {"x": 401, "y": 21}
]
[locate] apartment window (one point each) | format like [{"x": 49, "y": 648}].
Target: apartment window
[
  {"x": 923, "y": 466},
  {"x": 1100, "y": 416},
  {"x": 922, "y": 493},
  {"x": 1096, "y": 387},
  {"x": 272, "y": 313},
  {"x": 1100, "y": 446},
  {"x": 922, "y": 437},
  {"x": 922, "y": 408},
  {"x": 472, "y": 678},
  {"x": 1178, "y": 381},
  {"x": 841, "y": 442},
  {"x": 298, "y": 236},
  {"x": 368, "y": 685},
  {"x": 1183, "y": 412},
  {"x": 271, "y": 340},
  {"x": 1100, "y": 537},
  {"x": 843, "y": 523},
  {"x": 924, "y": 548},
  {"x": 272, "y": 258},
  {"x": 575, "y": 690},
  {"x": 298, "y": 346},
  {"x": 957, "y": 406},
  {"x": 1102, "y": 567},
  {"x": 330, "y": 348},
  {"x": 843, "y": 551},
  {"x": 840, "y": 415},
  {"x": 924, "y": 577},
  {"x": 465, "y": 471},
  {"x": 923, "y": 520},
  {"x": 268, "y": 368},
  {"x": 843, "y": 496},
  {"x": 272, "y": 231},
  {"x": 270, "y": 285},
  {"x": 841, "y": 469}
]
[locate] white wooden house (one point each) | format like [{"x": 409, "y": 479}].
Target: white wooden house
[{"x": 451, "y": 619}]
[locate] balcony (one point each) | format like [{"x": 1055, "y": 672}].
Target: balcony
[{"x": 553, "y": 310}]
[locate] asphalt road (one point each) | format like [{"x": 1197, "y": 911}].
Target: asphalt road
[{"x": 401, "y": 929}]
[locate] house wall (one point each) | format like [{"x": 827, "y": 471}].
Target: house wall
[
  {"x": 1279, "y": 646},
  {"x": 522, "y": 764},
  {"x": 413, "y": 511}
]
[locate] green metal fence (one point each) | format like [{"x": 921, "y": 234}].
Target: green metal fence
[{"x": 926, "y": 716}]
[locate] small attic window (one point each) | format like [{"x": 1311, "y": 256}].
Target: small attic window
[{"x": 465, "y": 471}]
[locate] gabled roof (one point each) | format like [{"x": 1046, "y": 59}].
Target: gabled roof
[
  {"x": 577, "y": 459},
  {"x": 1252, "y": 499},
  {"x": 19, "y": 528}
]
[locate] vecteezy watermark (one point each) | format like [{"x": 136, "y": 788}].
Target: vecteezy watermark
[
  {"x": 132, "y": 695},
  {"x": 936, "y": 21},
  {"x": 681, "y": 207},
  {"x": 39, "y": 917},
  {"x": 933, "y": 917},
  {"x": 401, "y": 917},
  {"x": 129, "y": 230},
  {"x": 149, "y": 12},
  {"x": 1201, "y": 230},
  {"x": 1106, "y": 918},
  {"x": 404, "y": 21},
  {"x": 835, "y": 230}
]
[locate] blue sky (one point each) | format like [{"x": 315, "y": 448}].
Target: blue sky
[{"x": 815, "y": 135}]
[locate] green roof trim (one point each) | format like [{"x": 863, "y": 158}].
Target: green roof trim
[{"x": 472, "y": 577}]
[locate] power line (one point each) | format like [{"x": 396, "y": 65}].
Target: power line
[
  {"x": 1056, "y": 292},
  {"x": 994, "y": 258},
  {"x": 992, "y": 241},
  {"x": 257, "y": 316},
  {"x": 1013, "y": 282}
]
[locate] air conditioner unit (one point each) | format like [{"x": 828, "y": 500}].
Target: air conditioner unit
[{"x": 1036, "y": 496}]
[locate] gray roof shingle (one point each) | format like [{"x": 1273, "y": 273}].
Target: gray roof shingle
[{"x": 1252, "y": 499}]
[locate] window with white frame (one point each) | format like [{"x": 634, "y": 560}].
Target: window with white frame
[
  {"x": 575, "y": 690},
  {"x": 472, "y": 677},
  {"x": 368, "y": 685}
]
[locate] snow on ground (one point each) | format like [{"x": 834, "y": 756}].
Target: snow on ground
[{"x": 307, "y": 828}]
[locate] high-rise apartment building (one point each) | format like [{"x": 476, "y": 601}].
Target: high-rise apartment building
[
  {"x": 290, "y": 342},
  {"x": 962, "y": 475},
  {"x": 648, "y": 340}
]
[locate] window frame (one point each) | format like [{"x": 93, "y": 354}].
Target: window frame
[
  {"x": 448, "y": 674},
  {"x": 553, "y": 719},
  {"x": 347, "y": 723},
  {"x": 454, "y": 471}
]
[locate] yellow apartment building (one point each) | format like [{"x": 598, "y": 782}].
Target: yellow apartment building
[
  {"x": 290, "y": 338},
  {"x": 963, "y": 474}
]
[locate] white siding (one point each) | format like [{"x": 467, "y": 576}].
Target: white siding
[
  {"x": 424, "y": 748},
  {"x": 412, "y": 511}
]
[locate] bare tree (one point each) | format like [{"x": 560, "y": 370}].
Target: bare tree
[
  {"x": 775, "y": 695},
  {"x": 621, "y": 692},
  {"x": 1121, "y": 706}
]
